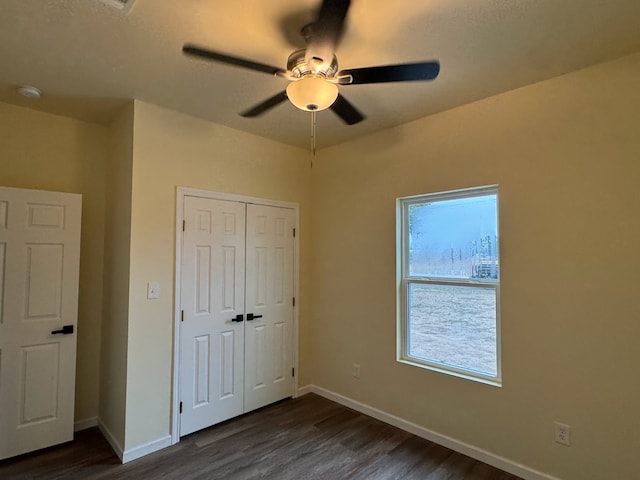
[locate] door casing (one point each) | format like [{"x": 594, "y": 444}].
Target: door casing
[{"x": 180, "y": 194}]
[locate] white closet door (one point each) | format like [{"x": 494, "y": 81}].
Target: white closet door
[
  {"x": 39, "y": 265},
  {"x": 236, "y": 337},
  {"x": 269, "y": 297},
  {"x": 212, "y": 343}
]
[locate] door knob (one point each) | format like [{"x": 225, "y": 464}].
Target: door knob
[
  {"x": 251, "y": 316},
  {"x": 66, "y": 330},
  {"x": 239, "y": 318}
]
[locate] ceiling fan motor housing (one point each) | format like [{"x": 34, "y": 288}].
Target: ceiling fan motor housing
[{"x": 299, "y": 66}]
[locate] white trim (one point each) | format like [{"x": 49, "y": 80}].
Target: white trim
[
  {"x": 181, "y": 193},
  {"x": 85, "y": 423},
  {"x": 175, "y": 386},
  {"x": 115, "y": 444},
  {"x": 474, "y": 452},
  {"x": 304, "y": 390},
  {"x": 296, "y": 295},
  {"x": 135, "y": 452},
  {"x": 146, "y": 448},
  {"x": 232, "y": 197}
]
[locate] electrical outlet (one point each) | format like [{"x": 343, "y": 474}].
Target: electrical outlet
[
  {"x": 356, "y": 370},
  {"x": 563, "y": 434}
]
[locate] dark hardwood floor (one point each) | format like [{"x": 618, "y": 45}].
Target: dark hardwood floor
[{"x": 303, "y": 439}]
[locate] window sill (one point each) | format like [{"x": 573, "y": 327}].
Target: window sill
[{"x": 493, "y": 381}]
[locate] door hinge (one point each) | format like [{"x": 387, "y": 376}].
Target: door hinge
[
  {"x": 294, "y": 233},
  {"x": 182, "y": 315},
  {"x": 180, "y": 407},
  {"x": 184, "y": 224},
  {"x": 293, "y": 372},
  {"x": 294, "y": 302}
]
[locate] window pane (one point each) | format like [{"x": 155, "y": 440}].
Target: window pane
[
  {"x": 453, "y": 325},
  {"x": 455, "y": 238}
]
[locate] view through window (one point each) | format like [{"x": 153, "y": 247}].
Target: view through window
[{"x": 449, "y": 282}]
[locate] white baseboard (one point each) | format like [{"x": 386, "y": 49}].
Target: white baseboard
[
  {"x": 136, "y": 452},
  {"x": 304, "y": 390},
  {"x": 146, "y": 448},
  {"x": 85, "y": 423},
  {"x": 115, "y": 444},
  {"x": 477, "y": 453}
]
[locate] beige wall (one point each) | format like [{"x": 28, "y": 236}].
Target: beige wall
[
  {"x": 173, "y": 150},
  {"x": 48, "y": 152},
  {"x": 565, "y": 154},
  {"x": 113, "y": 371}
]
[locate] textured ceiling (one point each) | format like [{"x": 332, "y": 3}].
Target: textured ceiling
[{"x": 89, "y": 59}]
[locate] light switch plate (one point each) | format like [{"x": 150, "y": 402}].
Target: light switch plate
[{"x": 153, "y": 290}]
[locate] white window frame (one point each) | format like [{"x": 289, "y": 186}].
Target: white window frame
[{"x": 404, "y": 279}]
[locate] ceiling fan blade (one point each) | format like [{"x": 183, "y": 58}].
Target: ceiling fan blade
[
  {"x": 194, "y": 51},
  {"x": 330, "y": 23},
  {"x": 407, "y": 72},
  {"x": 326, "y": 31},
  {"x": 346, "y": 111},
  {"x": 271, "y": 102}
]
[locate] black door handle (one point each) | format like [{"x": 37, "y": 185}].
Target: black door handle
[
  {"x": 239, "y": 318},
  {"x": 66, "y": 330},
  {"x": 251, "y": 316}
]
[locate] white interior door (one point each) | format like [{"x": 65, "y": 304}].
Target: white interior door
[
  {"x": 269, "y": 301},
  {"x": 236, "y": 336},
  {"x": 211, "y": 341},
  {"x": 39, "y": 265}
]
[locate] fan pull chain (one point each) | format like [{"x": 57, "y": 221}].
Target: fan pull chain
[{"x": 313, "y": 133}]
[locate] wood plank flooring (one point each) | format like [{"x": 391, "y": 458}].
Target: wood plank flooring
[{"x": 306, "y": 438}]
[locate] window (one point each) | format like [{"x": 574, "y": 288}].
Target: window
[{"x": 449, "y": 283}]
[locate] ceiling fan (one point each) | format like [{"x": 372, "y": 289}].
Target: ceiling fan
[{"x": 313, "y": 72}]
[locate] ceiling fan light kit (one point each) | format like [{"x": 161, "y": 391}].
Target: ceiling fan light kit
[
  {"x": 313, "y": 72},
  {"x": 312, "y": 93}
]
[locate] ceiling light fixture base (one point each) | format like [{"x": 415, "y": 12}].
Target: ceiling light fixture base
[{"x": 29, "y": 91}]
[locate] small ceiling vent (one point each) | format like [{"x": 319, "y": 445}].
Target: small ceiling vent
[{"x": 122, "y": 5}]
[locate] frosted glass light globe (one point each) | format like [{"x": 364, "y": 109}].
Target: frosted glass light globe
[{"x": 312, "y": 93}]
